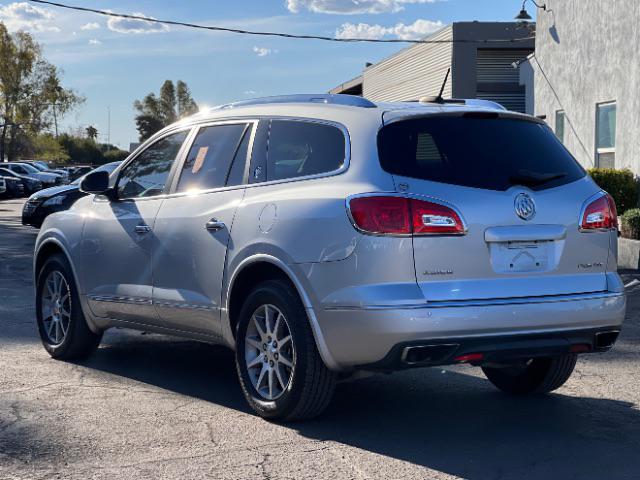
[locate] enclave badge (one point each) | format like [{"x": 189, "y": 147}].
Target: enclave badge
[{"x": 525, "y": 208}]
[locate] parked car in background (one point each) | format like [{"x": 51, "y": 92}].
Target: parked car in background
[
  {"x": 43, "y": 167},
  {"x": 30, "y": 184},
  {"x": 14, "y": 187},
  {"x": 3, "y": 186},
  {"x": 56, "y": 199},
  {"x": 78, "y": 171},
  {"x": 47, "y": 179},
  {"x": 323, "y": 235}
]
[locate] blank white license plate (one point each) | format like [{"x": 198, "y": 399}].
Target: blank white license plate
[{"x": 514, "y": 257}]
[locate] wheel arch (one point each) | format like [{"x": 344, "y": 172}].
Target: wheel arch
[{"x": 254, "y": 270}]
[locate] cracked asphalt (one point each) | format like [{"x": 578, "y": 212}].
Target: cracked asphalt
[{"x": 151, "y": 406}]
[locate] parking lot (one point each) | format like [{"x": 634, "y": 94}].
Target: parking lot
[{"x": 149, "y": 406}]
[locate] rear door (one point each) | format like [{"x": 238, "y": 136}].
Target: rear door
[{"x": 520, "y": 195}]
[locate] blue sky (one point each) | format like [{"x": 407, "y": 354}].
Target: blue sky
[{"x": 112, "y": 63}]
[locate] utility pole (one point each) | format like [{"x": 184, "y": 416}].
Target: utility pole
[{"x": 55, "y": 119}]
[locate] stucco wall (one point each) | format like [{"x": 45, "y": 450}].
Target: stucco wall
[{"x": 590, "y": 52}]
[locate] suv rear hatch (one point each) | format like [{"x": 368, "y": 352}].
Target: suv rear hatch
[{"x": 520, "y": 196}]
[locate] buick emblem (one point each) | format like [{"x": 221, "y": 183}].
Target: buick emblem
[{"x": 525, "y": 208}]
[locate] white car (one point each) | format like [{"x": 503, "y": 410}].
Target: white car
[{"x": 47, "y": 179}]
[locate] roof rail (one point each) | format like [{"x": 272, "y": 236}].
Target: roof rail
[{"x": 327, "y": 98}]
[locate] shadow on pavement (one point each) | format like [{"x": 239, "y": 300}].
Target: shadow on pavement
[{"x": 447, "y": 421}]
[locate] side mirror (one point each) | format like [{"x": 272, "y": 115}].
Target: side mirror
[{"x": 96, "y": 183}]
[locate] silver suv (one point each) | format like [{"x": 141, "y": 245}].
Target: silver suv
[{"x": 319, "y": 236}]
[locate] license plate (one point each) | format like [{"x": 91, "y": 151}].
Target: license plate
[{"x": 521, "y": 257}]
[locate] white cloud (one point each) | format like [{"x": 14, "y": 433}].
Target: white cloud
[
  {"x": 95, "y": 41},
  {"x": 350, "y": 7},
  {"x": 263, "y": 52},
  {"x": 90, "y": 26},
  {"x": 414, "y": 31},
  {"x": 128, "y": 25},
  {"x": 250, "y": 92},
  {"x": 23, "y": 16}
]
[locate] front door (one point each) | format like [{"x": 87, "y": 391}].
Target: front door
[
  {"x": 118, "y": 238},
  {"x": 194, "y": 226}
]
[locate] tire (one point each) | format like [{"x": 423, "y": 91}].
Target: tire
[
  {"x": 77, "y": 340},
  {"x": 308, "y": 384},
  {"x": 539, "y": 375}
]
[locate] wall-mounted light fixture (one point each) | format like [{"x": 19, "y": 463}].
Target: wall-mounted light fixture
[{"x": 524, "y": 16}]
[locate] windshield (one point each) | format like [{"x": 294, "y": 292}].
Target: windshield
[
  {"x": 29, "y": 168},
  {"x": 109, "y": 167},
  {"x": 37, "y": 166},
  {"x": 477, "y": 151}
]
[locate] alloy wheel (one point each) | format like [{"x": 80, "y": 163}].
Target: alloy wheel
[
  {"x": 269, "y": 352},
  {"x": 56, "y": 307}
]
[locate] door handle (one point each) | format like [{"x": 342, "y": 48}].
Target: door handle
[
  {"x": 214, "y": 225},
  {"x": 141, "y": 229}
]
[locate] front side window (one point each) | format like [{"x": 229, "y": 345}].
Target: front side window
[
  {"x": 560, "y": 125},
  {"x": 147, "y": 174},
  {"x": 209, "y": 162},
  {"x": 298, "y": 149},
  {"x": 606, "y": 135}
]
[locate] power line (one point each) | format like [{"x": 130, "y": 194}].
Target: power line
[{"x": 273, "y": 34}]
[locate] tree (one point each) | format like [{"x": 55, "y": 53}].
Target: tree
[
  {"x": 83, "y": 150},
  {"x": 147, "y": 125},
  {"x": 168, "y": 102},
  {"x": 156, "y": 112},
  {"x": 47, "y": 148},
  {"x": 92, "y": 132},
  {"x": 186, "y": 105},
  {"x": 32, "y": 98}
]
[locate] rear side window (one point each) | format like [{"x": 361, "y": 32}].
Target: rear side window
[
  {"x": 481, "y": 152},
  {"x": 210, "y": 158},
  {"x": 298, "y": 148}
]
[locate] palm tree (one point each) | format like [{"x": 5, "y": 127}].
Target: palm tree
[{"x": 92, "y": 132}]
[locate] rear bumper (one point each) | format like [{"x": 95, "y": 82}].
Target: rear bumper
[{"x": 375, "y": 338}]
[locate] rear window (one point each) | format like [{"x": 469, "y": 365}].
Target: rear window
[{"x": 481, "y": 152}]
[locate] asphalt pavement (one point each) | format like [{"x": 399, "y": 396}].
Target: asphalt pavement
[{"x": 147, "y": 406}]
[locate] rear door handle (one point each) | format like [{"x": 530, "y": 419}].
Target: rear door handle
[
  {"x": 214, "y": 225},
  {"x": 142, "y": 229}
]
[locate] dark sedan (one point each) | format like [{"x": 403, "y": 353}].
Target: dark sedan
[
  {"x": 31, "y": 185},
  {"x": 14, "y": 187},
  {"x": 55, "y": 199}
]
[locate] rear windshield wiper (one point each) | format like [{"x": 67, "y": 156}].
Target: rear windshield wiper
[{"x": 533, "y": 179}]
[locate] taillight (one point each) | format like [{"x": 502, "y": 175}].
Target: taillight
[
  {"x": 394, "y": 215},
  {"x": 600, "y": 214}
]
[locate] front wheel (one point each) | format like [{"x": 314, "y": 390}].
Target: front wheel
[
  {"x": 538, "y": 375},
  {"x": 279, "y": 367},
  {"x": 63, "y": 329}
]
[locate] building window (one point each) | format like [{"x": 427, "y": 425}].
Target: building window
[
  {"x": 606, "y": 135},
  {"x": 560, "y": 125}
]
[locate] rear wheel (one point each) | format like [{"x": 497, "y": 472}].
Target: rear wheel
[
  {"x": 538, "y": 375},
  {"x": 63, "y": 329},
  {"x": 280, "y": 370}
]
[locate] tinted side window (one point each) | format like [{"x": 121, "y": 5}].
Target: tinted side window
[
  {"x": 209, "y": 161},
  {"x": 491, "y": 153},
  {"x": 297, "y": 149},
  {"x": 147, "y": 174},
  {"x": 236, "y": 173}
]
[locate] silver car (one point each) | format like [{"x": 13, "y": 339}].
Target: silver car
[{"x": 319, "y": 236}]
